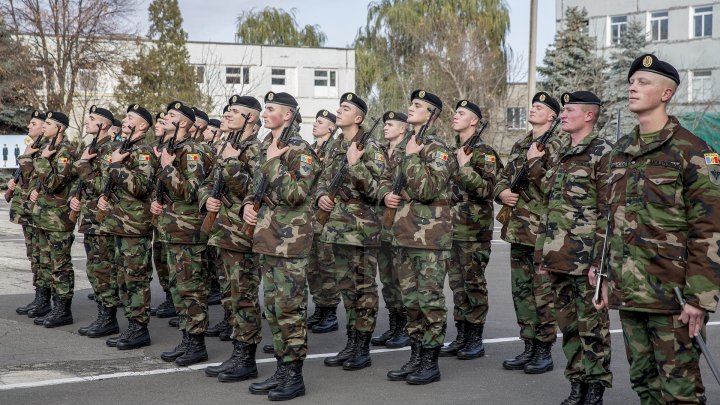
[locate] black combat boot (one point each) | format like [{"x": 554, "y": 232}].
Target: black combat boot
[
  {"x": 112, "y": 341},
  {"x": 542, "y": 361},
  {"x": 315, "y": 317},
  {"x": 451, "y": 349},
  {"x": 518, "y": 362},
  {"x": 40, "y": 320},
  {"x": 474, "y": 347},
  {"x": 241, "y": 368},
  {"x": 328, "y": 323},
  {"x": 429, "y": 370},
  {"x": 272, "y": 382},
  {"x": 411, "y": 366},
  {"x": 268, "y": 348},
  {"x": 167, "y": 308},
  {"x": 82, "y": 331},
  {"x": 138, "y": 336},
  {"x": 361, "y": 356},
  {"x": 226, "y": 335},
  {"x": 216, "y": 329},
  {"x": 178, "y": 351},
  {"x": 237, "y": 354},
  {"x": 23, "y": 310},
  {"x": 215, "y": 296},
  {"x": 63, "y": 316},
  {"x": 106, "y": 325},
  {"x": 577, "y": 393},
  {"x": 43, "y": 306},
  {"x": 400, "y": 338},
  {"x": 174, "y": 322},
  {"x": 594, "y": 395},
  {"x": 392, "y": 327},
  {"x": 345, "y": 353},
  {"x": 292, "y": 385},
  {"x": 195, "y": 352}
]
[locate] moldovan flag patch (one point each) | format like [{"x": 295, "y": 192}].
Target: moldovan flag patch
[
  {"x": 441, "y": 155},
  {"x": 64, "y": 160},
  {"x": 379, "y": 156},
  {"x": 192, "y": 156},
  {"x": 490, "y": 158},
  {"x": 306, "y": 159},
  {"x": 712, "y": 159},
  {"x": 144, "y": 158}
]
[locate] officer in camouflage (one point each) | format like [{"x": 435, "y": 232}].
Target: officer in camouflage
[{"x": 664, "y": 198}]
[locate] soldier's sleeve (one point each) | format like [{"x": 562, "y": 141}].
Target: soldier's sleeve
[
  {"x": 365, "y": 174},
  {"x": 293, "y": 182},
  {"x": 63, "y": 174},
  {"x": 137, "y": 180},
  {"x": 602, "y": 177},
  {"x": 478, "y": 178},
  {"x": 236, "y": 177},
  {"x": 504, "y": 178},
  {"x": 324, "y": 178},
  {"x": 25, "y": 162},
  {"x": 207, "y": 185},
  {"x": 184, "y": 180},
  {"x": 428, "y": 175}
]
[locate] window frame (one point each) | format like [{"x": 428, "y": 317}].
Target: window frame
[
  {"x": 659, "y": 20},
  {"x": 702, "y": 15}
]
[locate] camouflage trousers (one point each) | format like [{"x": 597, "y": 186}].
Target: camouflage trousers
[
  {"x": 243, "y": 302},
  {"x": 188, "y": 286},
  {"x": 355, "y": 270},
  {"x": 31, "y": 243},
  {"x": 389, "y": 278},
  {"x": 320, "y": 277},
  {"x": 210, "y": 260},
  {"x": 286, "y": 304},
  {"x": 664, "y": 363},
  {"x": 160, "y": 261},
  {"x": 466, "y": 276},
  {"x": 100, "y": 268},
  {"x": 421, "y": 273},
  {"x": 55, "y": 261},
  {"x": 533, "y": 296},
  {"x": 132, "y": 261},
  {"x": 586, "y": 331}
]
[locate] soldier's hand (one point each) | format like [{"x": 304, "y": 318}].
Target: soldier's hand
[
  {"x": 118, "y": 156},
  {"x": 75, "y": 204},
  {"x": 354, "y": 154},
  {"x": 392, "y": 200},
  {"x": 156, "y": 208},
  {"x": 29, "y": 150},
  {"x": 249, "y": 215},
  {"x": 326, "y": 204},
  {"x": 603, "y": 305},
  {"x": 46, "y": 153},
  {"x": 509, "y": 198},
  {"x": 462, "y": 158},
  {"x": 533, "y": 152},
  {"x": 156, "y": 152},
  {"x": 542, "y": 271},
  {"x": 213, "y": 204},
  {"x": 87, "y": 155},
  {"x": 166, "y": 158},
  {"x": 412, "y": 146},
  {"x": 11, "y": 184},
  {"x": 694, "y": 317},
  {"x": 102, "y": 203},
  {"x": 592, "y": 276},
  {"x": 34, "y": 196},
  {"x": 274, "y": 151},
  {"x": 231, "y": 152}
]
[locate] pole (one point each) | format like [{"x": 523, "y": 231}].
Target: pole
[{"x": 532, "y": 52}]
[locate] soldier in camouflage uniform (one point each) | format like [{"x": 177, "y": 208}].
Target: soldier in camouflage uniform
[
  {"x": 532, "y": 292},
  {"x": 21, "y": 213},
  {"x": 99, "y": 245},
  {"x": 422, "y": 238},
  {"x": 396, "y": 134},
  {"x": 51, "y": 216},
  {"x": 282, "y": 239},
  {"x": 353, "y": 228},
  {"x": 179, "y": 223},
  {"x": 664, "y": 197},
  {"x": 569, "y": 242},
  {"x": 241, "y": 278},
  {"x": 472, "y": 195}
]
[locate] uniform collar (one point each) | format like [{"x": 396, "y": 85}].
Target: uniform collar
[
  {"x": 631, "y": 144},
  {"x": 582, "y": 146}
]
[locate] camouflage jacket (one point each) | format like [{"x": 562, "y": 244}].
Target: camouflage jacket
[
  {"x": 393, "y": 162},
  {"x": 665, "y": 200},
  {"x": 20, "y": 205},
  {"x": 237, "y": 175},
  {"x": 90, "y": 172},
  {"x": 181, "y": 221},
  {"x": 207, "y": 154},
  {"x": 133, "y": 184},
  {"x": 286, "y": 230},
  {"x": 572, "y": 230},
  {"x": 317, "y": 228},
  {"x": 353, "y": 220},
  {"x": 425, "y": 221},
  {"x": 56, "y": 178},
  {"x": 472, "y": 195}
]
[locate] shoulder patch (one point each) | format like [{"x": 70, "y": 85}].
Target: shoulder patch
[
  {"x": 63, "y": 160},
  {"x": 490, "y": 158},
  {"x": 379, "y": 157},
  {"x": 712, "y": 159},
  {"x": 306, "y": 159},
  {"x": 714, "y": 173},
  {"x": 108, "y": 158},
  {"x": 144, "y": 158},
  {"x": 192, "y": 157},
  {"x": 440, "y": 155}
]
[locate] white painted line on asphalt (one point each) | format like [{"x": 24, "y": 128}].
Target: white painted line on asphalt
[{"x": 202, "y": 366}]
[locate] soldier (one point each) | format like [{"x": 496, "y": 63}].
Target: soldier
[
  {"x": 532, "y": 292},
  {"x": 422, "y": 238},
  {"x": 320, "y": 278},
  {"x": 353, "y": 229},
  {"x": 472, "y": 188},
  {"x": 664, "y": 198},
  {"x": 395, "y": 132},
  {"x": 51, "y": 215},
  {"x": 212, "y": 133},
  {"x": 282, "y": 240},
  {"x": 241, "y": 278},
  {"x": 179, "y": 224},
  {"x": 99, "y": 245},
  {"x": 568, "y": 245},
  {"x": 116, "y": 130},
  {"x": 21, "y": 213}
]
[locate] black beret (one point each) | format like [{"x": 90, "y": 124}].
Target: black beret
[
  {"x": 142, "y": 112},
  {"x": 650, "y": 63},
  {"x": 548, "y": 100},
  {"x": 353, "y": 99},
  {"x": 470, "y": 106},
  {"x": 245, "y": 101},
  {"x": 182, "y": 109},
  {"x": 159, "y": 115},
  {"x": 105, "y": 113},
  {"x": 214, "y": 122},
  {"x": 580, "y": 97},
  {"x": 116, "y": 123},
  {"x": 281, "y": 98},
  {"x": 427, "y": 96},
  {"x": 59, "y": 117},
  {"x": 200, "y": 114},
  {"x": 37, "y": 114},
  {"x": 226, "y": 108},
  {"x": 394, "y": 116},
  {"x": 327, "y": 115}
]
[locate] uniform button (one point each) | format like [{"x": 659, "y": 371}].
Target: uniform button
[{"x": 632, "y": 163}]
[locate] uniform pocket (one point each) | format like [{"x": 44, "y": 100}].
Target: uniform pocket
[{"x": 661, "y": 185}]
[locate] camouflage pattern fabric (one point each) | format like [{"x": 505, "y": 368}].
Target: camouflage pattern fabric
[
  {"x": 20, "y": 205},
  {"x": 101, "y": 269},
  {"x": 355, "y": 268},
  {"x": 533, "y": 296},
  {"x": 55, "y": 262},
  {"x": 243, "y": 273},
  {"x": 188, "y": 285},
  {"x": 30, "y": 236},
  {"x": 51, "y": 212},
  {"x": 466, "y": 276},
  {"x": 207, "y": 154},
  {"x": 320, "y": 276},
  {"x": 91, "y": 173},
  {"x": 132, "y": 261},
  {"x": 389, "y": 278},
  {"x": 159, "y": 257}
]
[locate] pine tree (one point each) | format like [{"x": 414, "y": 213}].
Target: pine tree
[{"x": 161, "y": 72}]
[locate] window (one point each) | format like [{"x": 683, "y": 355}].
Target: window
[
  {"x": 659, "y": 26},
  {"x": 325, "y": 78},
  {"x": 200, "y": 73},
  {"x": 237, "y": 75},
  {"x": 278, "y": 77},
  {"x": 700, "y": 85},
  {"x": 516, "y": 118},
  {"x": 618, "y": 27},
  {"x": 702, "y": 21}
]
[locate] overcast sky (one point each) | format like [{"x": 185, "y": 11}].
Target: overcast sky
[{"x": 214, "y": 20}]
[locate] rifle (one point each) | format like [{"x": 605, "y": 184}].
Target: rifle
[
  {"x": 170, "y": 145},
  {"x": 93, "y": 144},
  {"x": 284, "y": 138},
  {"x": 323, "y": 148},
  {"x": 16, "y": 178},
  {"x": 79, "y": 191},
  {"x": 700, "y": 341},
  {"x": 339, "y": 178},
  {"x": 217, "y": 193},
  {"x": 41, "y": 182},
  {"x": 235, "y": 136},
  {"x": 520, "y": 182},
  {"x": 107, "y": 190},
  {"x": 420, "y": 138},
  {"x": 259, "y": 197},
  {"x": 476, "y": 140}
]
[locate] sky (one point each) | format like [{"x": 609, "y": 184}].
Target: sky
[{"x": 214, "y": 20}]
